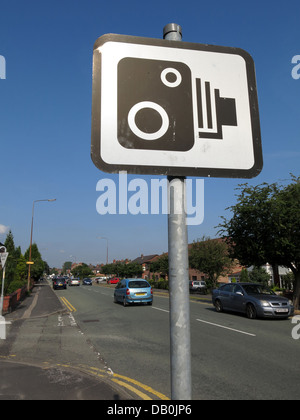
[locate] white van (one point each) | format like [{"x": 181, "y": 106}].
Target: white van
[{"x": 198, "y": 286}]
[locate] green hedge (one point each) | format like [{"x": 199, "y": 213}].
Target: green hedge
[{"x": 160, "y": 284}]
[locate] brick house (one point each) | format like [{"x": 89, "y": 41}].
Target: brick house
[
  {"x": 194, "y": 274},
  {"x": 145, "y": 261}
]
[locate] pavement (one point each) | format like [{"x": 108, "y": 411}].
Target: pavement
[{"x": 44, "y": 356}]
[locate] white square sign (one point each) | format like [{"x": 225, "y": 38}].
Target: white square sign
[
  {"x": 3, "y": 258},
  {"x": 174, "y": 108}
]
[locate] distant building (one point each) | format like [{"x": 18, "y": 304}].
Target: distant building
[{"x": 145, "y": 262}]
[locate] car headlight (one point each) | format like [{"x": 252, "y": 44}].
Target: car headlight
[
  {"x": 265, "y": 303},
  {"x": 291, "y": 303}
]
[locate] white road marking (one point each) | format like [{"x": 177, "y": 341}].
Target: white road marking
[
  {"x": 226, "y": 328},
  {"x": 159, "y": 309}
]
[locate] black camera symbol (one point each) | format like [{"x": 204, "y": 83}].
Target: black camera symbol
[
  {"x": 224, "y": 110},
  {"x": 155, "y": 105},
  {"x": 156, "y": 110}
]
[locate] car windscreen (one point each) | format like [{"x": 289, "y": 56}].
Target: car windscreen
[
  {"x": 256, "y": 289},
  {"x": 138, "y": 284}
]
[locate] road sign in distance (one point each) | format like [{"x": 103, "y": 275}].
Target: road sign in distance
[
  {"x": 3, "y": 258},
  {"x": 174, "y": 108}
]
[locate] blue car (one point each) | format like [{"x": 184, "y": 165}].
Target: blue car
[
  {"x": 129, "y": 291},
  {"x": 87, "y": 282}
]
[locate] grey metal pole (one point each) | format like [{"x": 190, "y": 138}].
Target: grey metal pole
[{"x": 180, "y": 338}]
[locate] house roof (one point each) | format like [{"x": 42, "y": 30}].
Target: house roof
[{"x": 144, "y": 259}]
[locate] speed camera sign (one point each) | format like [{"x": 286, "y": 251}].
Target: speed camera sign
[
  {"x": 174, "y": 108},
  {"x": 3, "y": 255}
]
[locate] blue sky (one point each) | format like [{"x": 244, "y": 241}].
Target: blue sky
[{"x": 45, "y": 118}]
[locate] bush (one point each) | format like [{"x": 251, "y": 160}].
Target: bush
[
  {"x": 15, "y": 285},
  {"x": 160, "y": 284}
]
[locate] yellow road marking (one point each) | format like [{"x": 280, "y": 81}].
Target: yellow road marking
[
  {"x": 104, "y": 374},
  {"x": 131, "y": 388},
  {"x": 116, "y": 378},
  {"x": 145, "y": 387},
  {"x": 68, "y": 304}
]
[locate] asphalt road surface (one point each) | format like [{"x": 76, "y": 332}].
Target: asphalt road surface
[{"x": 233, "y": 358}]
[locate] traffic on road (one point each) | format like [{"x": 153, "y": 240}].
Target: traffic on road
[
  {"x": 135, "y": 344},
  {"x": 88, "y": 330}
]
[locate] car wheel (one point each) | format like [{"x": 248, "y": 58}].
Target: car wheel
[
  {"x": 251, "y": 311},
  {"x": 124, "y": 302},
  {"x": 115, "y": 299},
  {"x": 218, "y": 306}
]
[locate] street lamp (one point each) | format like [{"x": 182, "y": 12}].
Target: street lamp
[
  {"x": 30, "y": 247},
  {"x": 103, "y": 237}
]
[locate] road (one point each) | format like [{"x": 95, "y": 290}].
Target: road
[
  {"x": 232, "y": 357},
  {"x": 77, "y": 343}
]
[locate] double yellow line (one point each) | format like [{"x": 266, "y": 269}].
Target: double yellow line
[
  {"x": 143, "y": 391},
  {"x": 68, "y": 304}
]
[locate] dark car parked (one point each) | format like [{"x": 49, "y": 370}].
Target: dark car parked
[
  {"x": 87, "y": 282},
  {"x": 59, "y": 283},
  {"x": 255, "y": 300}
]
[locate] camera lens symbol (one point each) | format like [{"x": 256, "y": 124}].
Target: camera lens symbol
[
  {"x": 172, "y": 84},
  {"x": 142, "y": 134}
]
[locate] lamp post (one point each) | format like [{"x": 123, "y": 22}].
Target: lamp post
[
  {"x": 103, "y": 237},
  {"x": 30, "y": 247}
]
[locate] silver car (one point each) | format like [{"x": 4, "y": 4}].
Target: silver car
[
  {"x": 74, "y": 282},
  {"x": 252, "y": 299}
]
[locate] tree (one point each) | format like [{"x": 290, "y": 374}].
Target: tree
[
  {"x": 16, "y": 270},
  {"x": 20, "y": 276},
  {"x": 11, "y": 261},
  {"x": 244, "y": 278},
  {"x": 211, "y": 257},
  {"x": 122, "y": 269},
  {"x": 67, "y": 266},
  {"x": 108, "y": 269},
  {"x": 82, "y": 271},
  {"x": 21, "y": 270},
  {"x": 265, "y": 227},
  {"x": 46, "y": 268},
  {"x": 37, "y": 269},
  {"x": 259, "y": 275},
  {"x": 161, "y": 265},
  {"x": 133, "y": 269}
]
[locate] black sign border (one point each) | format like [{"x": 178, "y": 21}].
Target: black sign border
[{"x": 174, "y": 171}]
